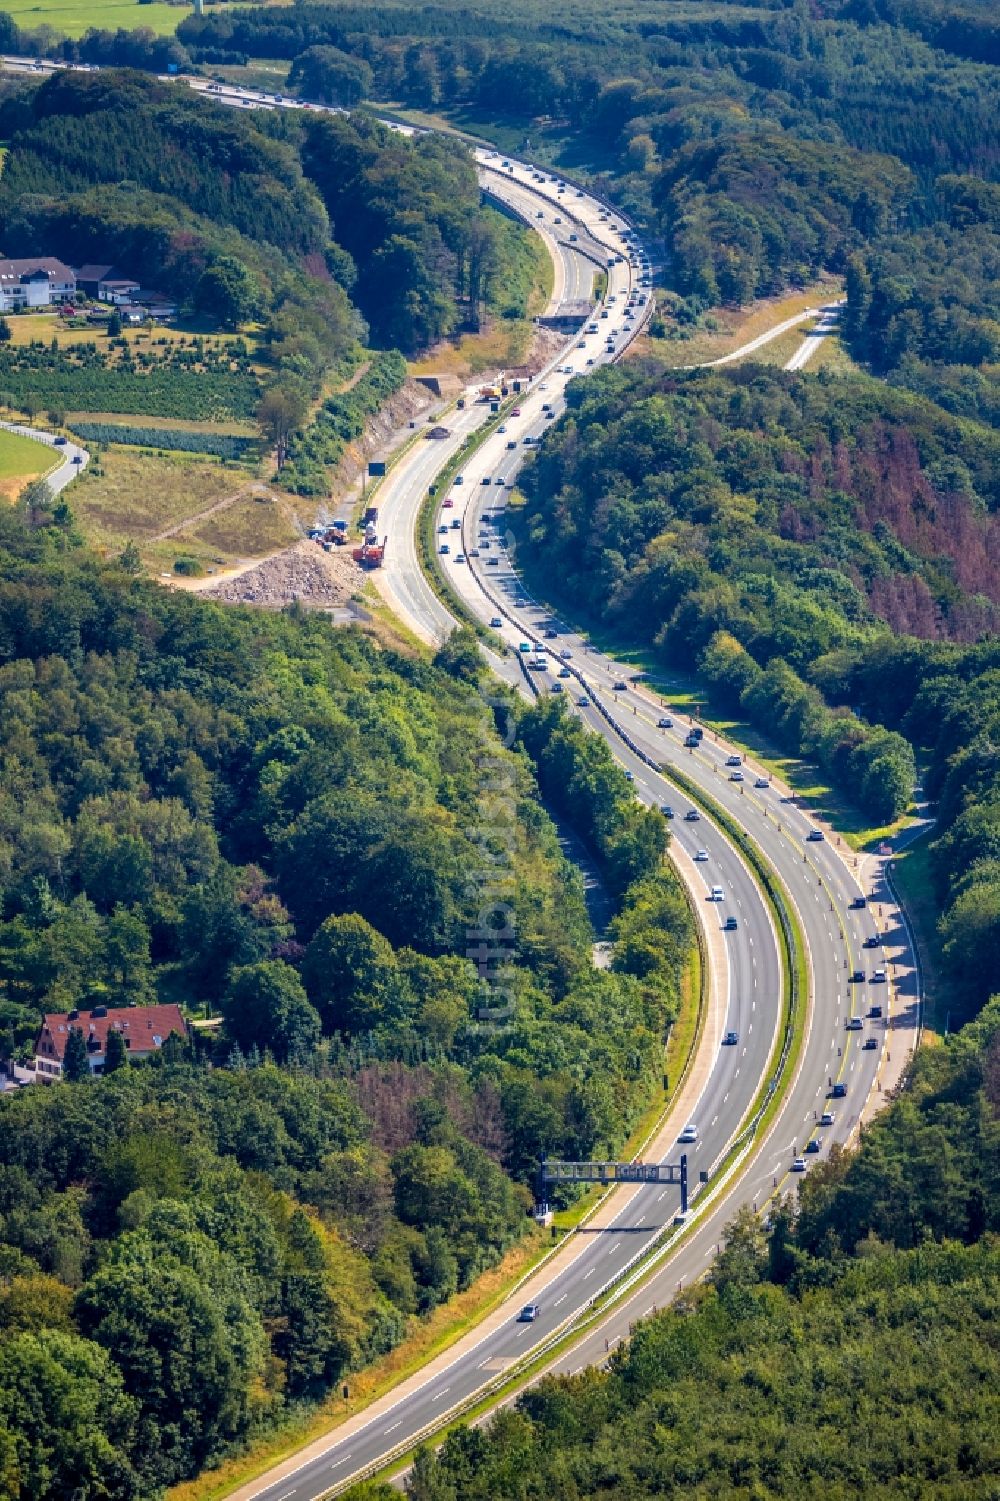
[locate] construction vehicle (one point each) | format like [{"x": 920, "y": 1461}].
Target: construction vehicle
[
  {"x": 370, "y": 517},
  {"x": 496, "y": 389},
  {"x": 370, "y": 554}
]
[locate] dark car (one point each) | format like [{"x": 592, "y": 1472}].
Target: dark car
[
  {"x": 838, "y": 1092},
  {"x": 869, "y": 1045},
  {"x": 620, "y": 687},
  {"x": 692, "y": 815},
  {"x": 859, "y": 901},
  {"x": 529, "y": 1313},
  {"x": 61, "y": 442},
  {"x": 730, "y": 1040},
  {"x": 857, "y": 977},
  {"x": 871, "y": 943},
  {"x": 666, "y": 810}
]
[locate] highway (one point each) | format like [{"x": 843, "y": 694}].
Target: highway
[
  {"x": 821, "y": 884},
  {"x": 851, "y": 1025}
]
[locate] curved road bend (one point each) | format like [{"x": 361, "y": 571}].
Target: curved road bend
[{"x": 822, "y": 886}]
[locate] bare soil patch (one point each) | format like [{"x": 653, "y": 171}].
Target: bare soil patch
[{"x": 303, "y": 573}]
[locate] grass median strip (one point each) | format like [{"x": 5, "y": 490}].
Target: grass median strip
[{"x": 426, "y": 535}]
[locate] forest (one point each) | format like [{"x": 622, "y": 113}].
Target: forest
[
  {"x": 761, "y": 145},
  {"x": 848, "y": 1347},
  {"x": 286, "y": 827},
  {"x": 822, "y": 552},
  {"x": 258, "y": 217}
]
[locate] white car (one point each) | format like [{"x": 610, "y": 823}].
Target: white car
[
  {"x": 689, "y": 1134},
  {"x": 716, "y": 894},
  {"x": 701, "y": 854}
]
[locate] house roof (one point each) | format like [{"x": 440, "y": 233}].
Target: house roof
[
  {"x": 123, "y": 283},
  {"x": 145, "y": 1028},
  {"x": 142, "y": 296},
  {"x": 39, "y": 265},
  {"x": 94, "y": 272}
]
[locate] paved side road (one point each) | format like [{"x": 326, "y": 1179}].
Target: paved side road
[{"x": 69, "y": 452}]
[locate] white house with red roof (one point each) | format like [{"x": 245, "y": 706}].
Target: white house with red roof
[{"x": 144, "y": 1030}]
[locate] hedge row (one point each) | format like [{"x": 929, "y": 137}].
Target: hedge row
[
  {"x": 316, "y": 448},
  {"x": 183, "y": 440}
]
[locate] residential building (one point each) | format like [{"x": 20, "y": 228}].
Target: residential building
[
  {"x": 144, "y": 1030},
  {"x": 117, "y": 289},
  {"x": 154, "y": 305},
  {"x": 34, "y": 283},
  {"x": 90, "y": 276}
]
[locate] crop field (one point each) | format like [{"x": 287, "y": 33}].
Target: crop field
[
  {"x": 21, "y": 459},
  {"x": 74, "y": 17}
]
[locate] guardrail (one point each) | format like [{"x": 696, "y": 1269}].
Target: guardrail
[{"x": 776, "y": 897}]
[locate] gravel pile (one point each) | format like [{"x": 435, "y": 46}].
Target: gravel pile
[{"x": 304, "y": 572}]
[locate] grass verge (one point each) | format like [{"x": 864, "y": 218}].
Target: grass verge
[
  {"x": 427, "y": 536},
  {"x": 912, "y": 876},
  {"x": 726, "y": 329}
]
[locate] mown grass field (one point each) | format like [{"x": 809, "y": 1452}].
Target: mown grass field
[
  {"x": 73, "y": 18},
  {"x": 21, "y": 459}
]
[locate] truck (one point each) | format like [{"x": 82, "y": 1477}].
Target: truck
[
  {"x": 371, "y": 516},
  {"x": 370, "y": 554}
]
